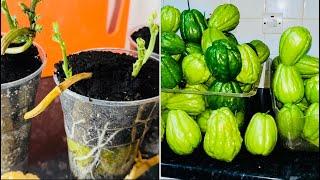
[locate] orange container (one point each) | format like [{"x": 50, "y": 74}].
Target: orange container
[{"x": 83, "y": 24}]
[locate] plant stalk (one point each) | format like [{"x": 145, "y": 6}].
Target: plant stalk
[
  {"x": 141, "y": 166},
  {"x": 143, "y": 54},
  {"x": 13, "y": 34},
  {"x": 55, "y": 92},
  {"x": 11, "y": 20}
]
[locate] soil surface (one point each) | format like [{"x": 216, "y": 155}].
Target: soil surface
[
  {"x": 144, "y": 33},
  {"x": 18, "y": 66},
  {"x": 111, "y": 78}
]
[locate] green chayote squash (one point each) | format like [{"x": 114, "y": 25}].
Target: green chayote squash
[
  {"x": 240, "y": 119},
  {"x": 203, "y": 119},
  {"x": 165, "y": 96},
  {"x": 222, "y": 140},
  {"x": 171, "y": 43},
  {"x": 290, "y": 121},
  {"x": 307, "y": 66},
  {"x": 261, "y": 134},
  {"x": 312, "y": 89},
  {"x": 303, "y": 104},
  {"x": 225, "y": 17},
  {"x": 209, "y": 36},
  {"x": 223, "y": 60},
  {"x": 231, "y": 37},
  {"x": 311, "y": 126},
  {"x": 287, "y": 84},
  {"x": 163, "y": 120},
  {"x": 193, "y": 104},
  {"x": 250, "y": 68},
  {"x": 192, "y": 48},
  {"x": 235, "y": 104},
  {"x": 262, "y": 50},
  {"x": 197, "y": 87},
  {"x": 195, "y": 70},
  {"x": 294, "y": 43},
  {"x": 182, "y": 132},
  {"x": 192, "y": 25},
  {"x": 171, "y": 72},
  {"x": 170, "y": 19},
  {"x": 275, "y": 63}
]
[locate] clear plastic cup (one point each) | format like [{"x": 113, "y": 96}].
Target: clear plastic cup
[
  {"x": 103, "y": 136},
  {"x": 297, "y": 144},
  {"x": 17, "y": 98}
]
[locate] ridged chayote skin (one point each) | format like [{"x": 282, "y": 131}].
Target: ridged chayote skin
[
  {"x": 202, "y": 120},
  {"x": 261, "y": 134},
  {"x": 225, "y": 17},
  {"x": 312, "y": 89},
  {"x": 262, "y": 50},
  {"x": 195, "y": 69},
  {"x": 163, "y": 120},
  {"x": 170, "y": 19},
  {"x": 250, "y": 68},
  {"x": 182, "y": 132},
  {"x": 311, "y": 126},
  {"x": 290, "y": 121},
  {"x": 287, "y": 84},
  {"x": 294, "y": 43},
  {"x": 193, "y": 104},
  {"x": 222, "y": 140}
]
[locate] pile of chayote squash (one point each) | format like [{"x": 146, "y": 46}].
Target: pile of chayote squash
[
  {"x": 207, "y": 57},
  {"x": 295, "y": 85}
]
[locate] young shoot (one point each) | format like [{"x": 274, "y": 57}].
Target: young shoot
[
  {"x": 57, "y": 38},
  {"x": 22, "y": 35},
  {"x": 144, "y": 54}
]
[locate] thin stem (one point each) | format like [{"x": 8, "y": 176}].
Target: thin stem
[
  {"x": 20, "y": 49},
  {"x": 55, "y": 92},
  {"x": 143, "y": 55},
  {"x": 13, "y": 34},
  {"x": 30, "y": 12},
  {"x": 57, "y": 38},
  {"x": 188, "y": 5},
  {"x": 11, "y": 20}
]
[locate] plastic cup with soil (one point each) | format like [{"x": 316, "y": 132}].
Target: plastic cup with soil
[
  {"x": 107, "y": 115},
  {"x": 22, "y": 62},
  {"x": 150, "y": 146},
  {"x": 109, "y": 111}
]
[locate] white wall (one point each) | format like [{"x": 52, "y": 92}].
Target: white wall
[{"x": 295, "y": 12}]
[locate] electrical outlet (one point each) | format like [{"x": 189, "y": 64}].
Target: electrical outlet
[{"x": 272, "y": 23}]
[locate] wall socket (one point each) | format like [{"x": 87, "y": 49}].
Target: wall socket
[{"x": 272, "y": 23}]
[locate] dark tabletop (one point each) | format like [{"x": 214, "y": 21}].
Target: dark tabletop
[{"x": 280, "y": 164}]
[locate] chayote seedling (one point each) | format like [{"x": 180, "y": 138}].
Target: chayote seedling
[{"x": 24, "y": 35}]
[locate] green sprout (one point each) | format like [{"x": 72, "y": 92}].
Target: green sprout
[
  {"x": 57, "y": 38},
  {"x": 19, "y": 35},
  {"x": 143, "y": 53}
]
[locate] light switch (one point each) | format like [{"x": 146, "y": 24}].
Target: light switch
[{"x": 272, "y": 23}]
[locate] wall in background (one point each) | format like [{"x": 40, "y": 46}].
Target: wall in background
[{"x": 295, "y": 12}]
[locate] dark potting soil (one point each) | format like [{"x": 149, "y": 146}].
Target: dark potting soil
[
  {"x": 144, "y": 33},
  {"x": 18, "y": 66},
  {"x": 111, "y": 79}
]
